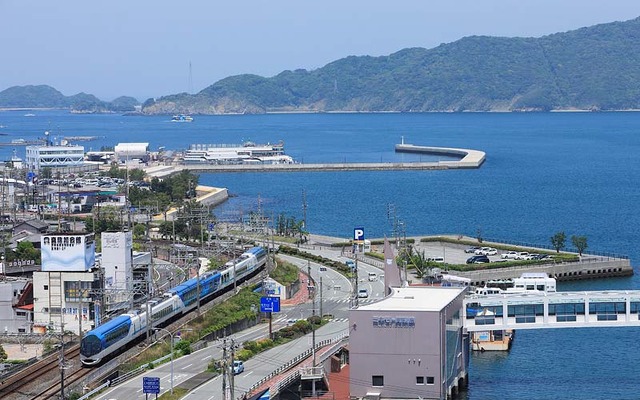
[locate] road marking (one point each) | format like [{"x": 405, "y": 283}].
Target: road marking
[
  {"x": 186, "y": 366},
  {"x": 205, "y": 358},
  {"x": 166, "y": 376},
  {"x": 248, "y": 373}
]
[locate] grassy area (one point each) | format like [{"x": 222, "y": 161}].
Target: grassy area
[
  {"x": 222, "y": 315},
  {"x": 336, "y": 265},
  {"x": 300, "y": 328},
  {"x": 178, "y": 393},
  {"x": 285, "y": 273}
]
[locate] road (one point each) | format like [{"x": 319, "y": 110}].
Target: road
[{"x": 336, "y": 292}]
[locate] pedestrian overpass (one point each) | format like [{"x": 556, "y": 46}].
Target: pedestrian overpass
[{"x": 539, "y": 310}]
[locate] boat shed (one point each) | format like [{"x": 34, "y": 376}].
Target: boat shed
[{"x": 132, "y": 151}]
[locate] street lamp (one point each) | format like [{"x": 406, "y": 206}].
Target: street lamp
[{"x": 171, "y": 336}]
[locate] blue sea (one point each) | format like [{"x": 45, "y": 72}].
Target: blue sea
[{"x": 545, "y": 172}]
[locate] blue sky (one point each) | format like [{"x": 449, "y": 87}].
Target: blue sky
[{"x": 143, "y": 48}]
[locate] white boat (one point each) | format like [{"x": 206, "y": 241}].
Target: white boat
[
  {"x": 245, "y": 153},
  {"x": 181, "y": 118},
  {"x": 528, "y": 282}
]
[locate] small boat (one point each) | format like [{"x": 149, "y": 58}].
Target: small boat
[
  {"x": 29, "y": 115},
  {"x": 181, "y": 118}
]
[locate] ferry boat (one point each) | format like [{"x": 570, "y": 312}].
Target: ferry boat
[
  {"x": 181, "y": 118},
  {"x": 245, "y": 153},
  {"x": 528, "y": 282}
]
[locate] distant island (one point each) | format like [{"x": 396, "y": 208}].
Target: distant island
[
  {"x": 43, "y": 96},
  {"x": 590, "y": 69}
]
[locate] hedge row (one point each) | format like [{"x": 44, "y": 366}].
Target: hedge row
[{"x": 337, "y": 265}]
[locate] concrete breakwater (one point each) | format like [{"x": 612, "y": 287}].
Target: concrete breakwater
[
  {"x": 587, "y": 268},
  {"x": 468, "y": 159}
]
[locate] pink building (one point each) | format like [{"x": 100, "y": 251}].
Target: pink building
[{"x": 410, "y": 345}]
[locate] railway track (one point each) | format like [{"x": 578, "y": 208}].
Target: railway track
[
  {"x": 53, "y": 391},
  {"x": 17, "y": 385},
  {"x": 28, "y": 382}
]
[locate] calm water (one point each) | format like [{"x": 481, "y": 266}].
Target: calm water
[{"x": 576, "y": 172}]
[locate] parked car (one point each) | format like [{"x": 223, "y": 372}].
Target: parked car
[
  {"x": 487, "y": 251},
  {"x": 523, "y": 255},
  {"x": 472, "y": 249},
  {"x": 478, "y": 259},
  {"x": 491, "y": 252},
  {"x": 509, "y": 255},
  {"x": 238, "y": 367}
]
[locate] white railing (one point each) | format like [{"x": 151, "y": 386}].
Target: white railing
[
  {"x": 296, "y": 360},
  {"x": 94, "y": 391}
]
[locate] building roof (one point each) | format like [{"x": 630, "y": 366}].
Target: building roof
[
  {"x": 421, "y": 298},
  {"x": 131, "y": 147}
]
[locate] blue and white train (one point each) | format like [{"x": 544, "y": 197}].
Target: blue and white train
[{"x": 101, "y": 342}]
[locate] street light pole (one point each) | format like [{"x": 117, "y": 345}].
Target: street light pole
[{"x": 171, "y": 337}]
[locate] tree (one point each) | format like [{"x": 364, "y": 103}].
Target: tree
[
  {"x": 3, "y": 354},
  {"x": 139, "y": 231},
  {"x": 558, "y": 241},
  {"x": 580, "y": 243}
]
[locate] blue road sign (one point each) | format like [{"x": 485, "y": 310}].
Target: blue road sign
[
  {"x": 358, "y": 234},
  {"x": 211, "y": 227},
  {"x": 151, "y": 385},
  {"x": 270, "y": 304}
]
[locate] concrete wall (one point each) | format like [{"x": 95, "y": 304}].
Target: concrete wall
[{"x": 586, "y": 269}]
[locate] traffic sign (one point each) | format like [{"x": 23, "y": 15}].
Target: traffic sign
[
  {"x": 358, "y": 234},
  {"x": 270, "y": 304},
  {"x": 151, "y": 385}
]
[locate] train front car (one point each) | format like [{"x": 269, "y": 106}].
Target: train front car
[
  {"x": 260, "y": 254},
  {"x": 103, "y": 340}
]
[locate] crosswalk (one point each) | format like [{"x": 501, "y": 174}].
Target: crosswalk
[{"x": 360, "y": 301}]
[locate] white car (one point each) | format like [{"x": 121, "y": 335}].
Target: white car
[
  {"x": 523, "y": 255},
  {"x": 509, "y": 255},
  {"x": 238, "y": 367},
  {"x": 491, "y": 252},
  {"x": 487, "y": 251},
  {"x": 481, "y": 251},
  {"x": 363, "y": 293}
]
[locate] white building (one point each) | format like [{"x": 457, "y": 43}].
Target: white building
[
  {"x": 63, "y": 291},
  {"x": 117, "y": 261},
  {"x": 38, "y": 157},
  {"x": 16, "y": 309},
  {"x": 126, "y": 152}
]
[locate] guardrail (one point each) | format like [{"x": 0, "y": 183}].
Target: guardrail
[
  {"x": 289, "y": 364},
  {"x": 94, "y": 391},
  {"x": 138, "y": 370}
]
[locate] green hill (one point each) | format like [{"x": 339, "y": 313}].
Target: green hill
[
  {"x": 594, "y": 68},
  {"x": 43, "y": 96}
]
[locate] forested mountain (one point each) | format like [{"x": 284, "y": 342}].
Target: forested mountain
[
  {"x": 594, "y": 68},
  {"x": 43, "y": 96}
]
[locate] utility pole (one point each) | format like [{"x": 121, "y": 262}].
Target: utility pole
[
  {"x": 321, "y": 297},
  {"x": 225, "y": 369},
  {"x": 304, "y": 209},
  {"x": 232, "y": 370},
  {"x": 313, "y": 332},
  {"x": 62, "y": 361},
  {"x": 309, "y": 277},
  {"x": 355, "y": 284}
]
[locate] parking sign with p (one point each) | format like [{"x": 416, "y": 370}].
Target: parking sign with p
[{"x": 358, "y": 234}]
